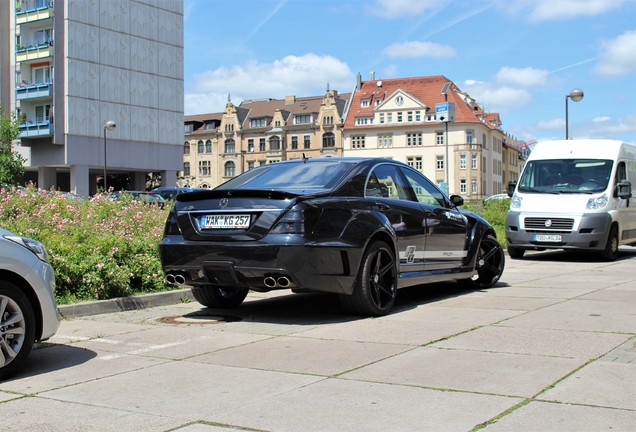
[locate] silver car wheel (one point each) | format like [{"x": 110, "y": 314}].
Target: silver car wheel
[{"x": 12, "y": 330}]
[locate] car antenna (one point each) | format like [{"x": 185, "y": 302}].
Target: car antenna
[{"x": 305, "y": 158}]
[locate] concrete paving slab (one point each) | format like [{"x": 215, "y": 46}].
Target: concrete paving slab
[
  {"x": 530, "y": 291},
  {"x": 170, "y": 342},
  {"x": 605, "y": 384},
  {"x": 556, "y": 343},
  {"x": 541, "y": 416},
  {"x": 597, "y": 306},
  {"x": 437, "y": 313},
  {"x": 491, "y": 300},
  {"x": 66, "y": 365},
  {"x": 620, "y": 293},
  {"x": 4, "y": 396},
  {"x": 80, "y": 329},
  {"x": 205, "y": 391},
  {"x": 303, "y": 355},
  {"x": 201, "y": 427},
  {"x": 553, "y": 317},
  {"x": 341, "y": 405},
  {"x": 625, "y": 353},
  {"x": 42, "y": 414},
  {"x": 483, "y": 372},
  {"x": 382, "y": 330}
]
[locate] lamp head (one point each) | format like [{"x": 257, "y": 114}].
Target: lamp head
[
  {"x": 110, "y": 125},
  {"x": 576, "y": 95}
]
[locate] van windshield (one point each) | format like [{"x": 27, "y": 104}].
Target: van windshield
[{"x": 566, "y": 176}]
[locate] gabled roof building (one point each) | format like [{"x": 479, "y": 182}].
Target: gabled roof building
[{"x": 430, "y": 124}]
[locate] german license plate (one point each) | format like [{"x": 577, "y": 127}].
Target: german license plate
[
  {"x": 554, "y": 238},
  {"x": 225, "y": 221}
]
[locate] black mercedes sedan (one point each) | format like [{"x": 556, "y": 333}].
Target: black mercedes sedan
[{"x": 357, "y": 227}]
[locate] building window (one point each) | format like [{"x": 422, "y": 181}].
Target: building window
[
  {"x": 307, "y": 141},
  {"x": 186, "y": 169},
  {"x": 261, "y": 144},
  {"x": 385, "y": 140},
  {"x": 259, "y": 122},
  {"x": 274, "y": 143},
  {"x": 294, "y": 143},
  {"x": 328, "y": 140},
  {"x": 250, "y": 145},
  {"x": 250, "y": 165},
  {"x": 364, "y": 103},
  {"x": 409, "y": 116},
  {"x": 364, "y": 120},
  {"x": 389, "y": 117},
  {"x": 399, "y": 117},
  {"x": 473, "y": 161},
  {"x": 186, "y": 148},
  {"x": 302, "y": 119},
  {"x": 381, "y": 118},
  {"x": 418, "y": 116},
  {"x": 439, "y": 138},
  {"x": 439, "y": 162},
  {"x": 462, "y": 161},
  {"x": 414, "y": 139},
  {"x": 208, "y": 146},
  {"x": 229, "y": 128},
  {"x": 204, "y": 168},
  {"x": 200, "y": 147},
  {"x": 229, "y": 146},
  {"x": 415, "y": 162},
  {"x": 230, "y": 169},
  {"x": 473, "y": 186},
  {"x": 327, "y": 120},
  {"x": 469, "y": 136},
  {"x": 189, "y": 128},
  {"x": 357, "y": 141},
  {"x": 462, "y": 186}
]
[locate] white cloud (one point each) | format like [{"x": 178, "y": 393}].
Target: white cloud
[
  {"x": 522, "y": 77},
  {"x": 549, "y": 10},
  {"x": 400, "y": 8},
  {"x": 292, "y": 75},
  {"x": 618, "y": 56},
  {"x": 551, "y": 124},
  {"x": 495, "y": 98},
  {"x": 419, "y": 49}
]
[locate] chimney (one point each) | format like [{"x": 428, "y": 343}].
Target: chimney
[
  {"x": 358, "y": 81},
  {"x": 372, "y": 75},
  {"x": 290, "y": 100}
]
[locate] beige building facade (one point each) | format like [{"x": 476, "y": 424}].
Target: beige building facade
[
  {"x": 430, "y": 124},
  {"x": 219, "y": 146}
]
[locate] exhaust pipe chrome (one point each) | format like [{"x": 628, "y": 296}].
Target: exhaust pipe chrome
[
  {"x": 283, "y": 281},
  {"x": 269, "y": 282},
  {"x": 179, "y": 279},
  {"x": 170, "y": 278}
]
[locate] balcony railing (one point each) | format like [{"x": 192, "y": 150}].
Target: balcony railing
[
  {"x": 32, "y": 10},
  {"x": 34, "y": 52},
  {"x": 33, "y": 91},
  {"x": 37, "y": 127}
]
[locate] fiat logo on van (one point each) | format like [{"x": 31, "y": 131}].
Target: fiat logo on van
[{"x": 548, "y": 223}]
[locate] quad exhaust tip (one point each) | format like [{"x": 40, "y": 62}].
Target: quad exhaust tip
[
  {"x": 175, "y": 279},
  {"x": 277, "y": 282}
]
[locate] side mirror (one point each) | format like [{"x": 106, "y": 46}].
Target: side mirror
[
  {"x": 512, "y": 185},
  {"x": 457, "y": 200},
  {"x": 624, "y": 190}
]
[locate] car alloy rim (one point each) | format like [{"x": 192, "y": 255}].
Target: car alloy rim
[
  {"x": 12, "y": 330},
  {"x": 381, "y": 278},
  {"x": 489, "y": 261}
]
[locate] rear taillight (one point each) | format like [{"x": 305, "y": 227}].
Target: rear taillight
[
  {"x": 292, "y": 223},
  {"x": 171, "y": 228}
]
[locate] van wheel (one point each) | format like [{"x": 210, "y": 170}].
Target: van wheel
[
  {"x": 610, "y": 253},
  {"x": 515, "y": 253}
]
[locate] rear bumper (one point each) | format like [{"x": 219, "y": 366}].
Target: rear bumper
[
  {"x": 589, "y": 232},
  {"x": 292, "y": 263}
]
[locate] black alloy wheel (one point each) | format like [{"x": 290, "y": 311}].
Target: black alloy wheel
[
  {"x": 490, "y": 263},
  {"x": 376, "y": 284},
  {"x": 217, "y": 297}
]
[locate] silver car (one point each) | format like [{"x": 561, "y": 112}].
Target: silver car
[{"x": 28, "y": 312}]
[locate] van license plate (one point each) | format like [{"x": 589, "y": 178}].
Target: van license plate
[{"x": 547, "y": 238}]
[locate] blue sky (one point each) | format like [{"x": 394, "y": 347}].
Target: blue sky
[{"x": 516, "y": 57}]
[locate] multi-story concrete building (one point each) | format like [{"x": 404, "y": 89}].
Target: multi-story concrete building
[
  {"x": 429, "y": 123},
  {"x": 99, "y": 84},
  {"x": 222, "y": 145}
]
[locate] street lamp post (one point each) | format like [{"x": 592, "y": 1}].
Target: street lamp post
[
  {"x": 576, "y": 95},
  {"x": 110, "y": 125}
]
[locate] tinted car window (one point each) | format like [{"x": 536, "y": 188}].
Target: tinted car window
[
  {"x": 425, "y": 191},
  {"x": 386, "y": 181},
  {"x": 311, "y": 175}
]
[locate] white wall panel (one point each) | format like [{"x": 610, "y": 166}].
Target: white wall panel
[
  {"x": 114, "y": 85},
  {"x": 83, "y": 42},
  {"x": 83, "y": 79},
  {"x": 115, "y": 15},
  {"x": 85, "y": 11}
]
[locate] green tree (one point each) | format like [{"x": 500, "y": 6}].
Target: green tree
[{"x": 11, "y": 163}]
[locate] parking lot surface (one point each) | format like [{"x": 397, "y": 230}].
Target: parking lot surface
[{"x": 551, "y": 348}]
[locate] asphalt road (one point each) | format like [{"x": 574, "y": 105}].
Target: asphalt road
[{"x": 551, "y": 348}]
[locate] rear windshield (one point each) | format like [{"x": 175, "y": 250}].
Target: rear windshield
[
  {"x": 566, "y": 176},
  {"x": 295, "y": 176}
]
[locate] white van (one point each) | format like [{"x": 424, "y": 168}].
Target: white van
[{"x": 574, "y": 194}]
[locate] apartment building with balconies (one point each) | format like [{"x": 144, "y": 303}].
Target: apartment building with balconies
[
  {"x": 99, "y": 86},
  {"x": 222, "y": 145},
  {"x": 430, "y": 124}
]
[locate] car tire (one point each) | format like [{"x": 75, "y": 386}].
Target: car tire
[
  {"x": 489, "y": 265},
  {"x": 376, "y": 284},
  {"x": 610, "y": 253},
  {"x": 217, "y": 297},
  {"x": 17, "y": 328},
  {"x": 515, "y": 253}
]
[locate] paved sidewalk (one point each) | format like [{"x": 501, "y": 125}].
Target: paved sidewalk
[{"x": 551, "y": 348}]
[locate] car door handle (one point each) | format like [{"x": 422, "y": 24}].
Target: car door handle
[{"x": 383, "y": 207}]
